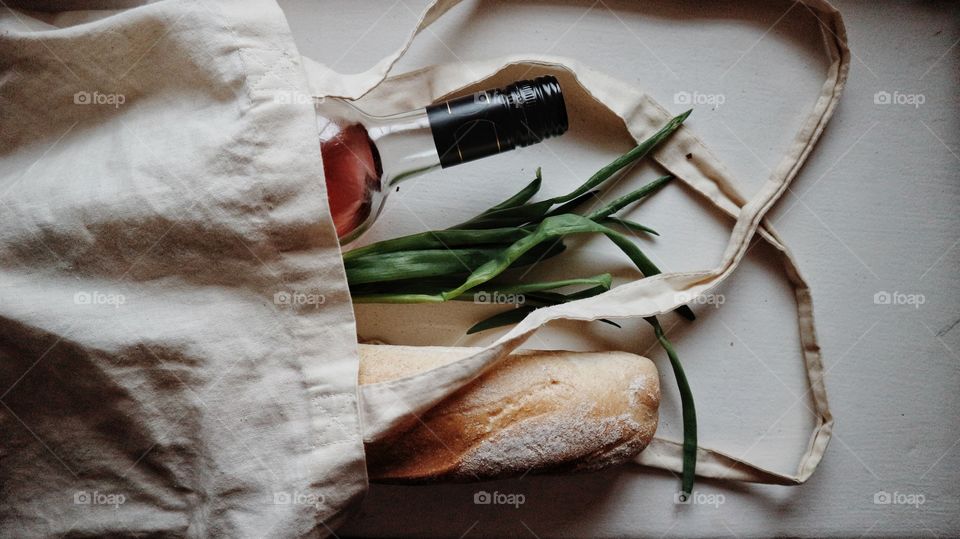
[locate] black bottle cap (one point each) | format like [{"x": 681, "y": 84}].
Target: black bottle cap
[{"x": 494, "y": 121}]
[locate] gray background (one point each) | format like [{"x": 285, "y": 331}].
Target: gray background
[{"x": 874, "y": 210}]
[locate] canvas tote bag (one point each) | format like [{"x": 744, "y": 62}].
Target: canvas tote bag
[
  {"x": 177, "y": 347},
  {"x": 388, "y": 406}
]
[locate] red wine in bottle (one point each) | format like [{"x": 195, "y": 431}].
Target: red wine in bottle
[{"x": 365, "y": 156}]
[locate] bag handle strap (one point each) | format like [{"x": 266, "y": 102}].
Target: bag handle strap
[
  {"x": 386, "y": 405},
  {"x": 329, "y": 83}
]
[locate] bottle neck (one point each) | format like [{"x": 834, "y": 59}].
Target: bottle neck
[
  {"x": 494, "y": 121},
  {"x": 405, "y": 146},
  {"x": 469, "y": 128}
]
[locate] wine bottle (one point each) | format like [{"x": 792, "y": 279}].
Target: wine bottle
[{"x": 366, "y": 156}]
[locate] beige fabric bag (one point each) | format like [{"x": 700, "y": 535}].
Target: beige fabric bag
[
  {"x": 177, "y": 348},
  {"x": 387, "y": 405},
  {"x": 161, "y": 202}
]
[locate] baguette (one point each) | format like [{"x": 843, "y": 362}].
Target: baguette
[{"x": 536, "y": 411}]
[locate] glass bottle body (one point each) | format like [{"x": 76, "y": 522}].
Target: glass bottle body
[{"x": 366, "y": 156}]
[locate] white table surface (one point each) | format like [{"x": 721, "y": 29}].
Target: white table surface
[{"x": 875, "y": 209}]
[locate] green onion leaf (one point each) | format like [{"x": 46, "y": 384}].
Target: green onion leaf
[
  {"x": 518, "y": 215},
  {"x": 554, "y": 227},
  {"x": 510, "y": 217},
  {"x": 604, "y": 280},
  {"x": 413, "y": 264},
  {"x": 638, "y": 152},
  {"x": 568, "y": 207},
  {"x": 439, "y": 239},
  {"x": 550, "y": 228},
  {"x": 689, "y": 410},
  {"x": 521, "y": 197},
  {"x": 632, "y": 196},
  {"x": 630, "y": 225},
  {"x": 433, "y": 263},
  {"x": 505, "y": 318}
]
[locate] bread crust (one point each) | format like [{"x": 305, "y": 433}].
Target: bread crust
[{"x": 537, "y": 411}]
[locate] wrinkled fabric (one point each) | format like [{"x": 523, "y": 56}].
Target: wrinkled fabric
[{"x": 177, "y": 344}]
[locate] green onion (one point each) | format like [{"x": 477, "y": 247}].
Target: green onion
[
  {"x": 505, "y": 318},
  {"x": 632, "y": 196},
  {"x": 630, "y": 225},
  {"x": 639, "y": 152},
  {"x": 689, "y": 410},
  {"x": 521, "y": 197},
  {"x": 439, "y": 239},
  {"x": 432, "y": 262}
]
